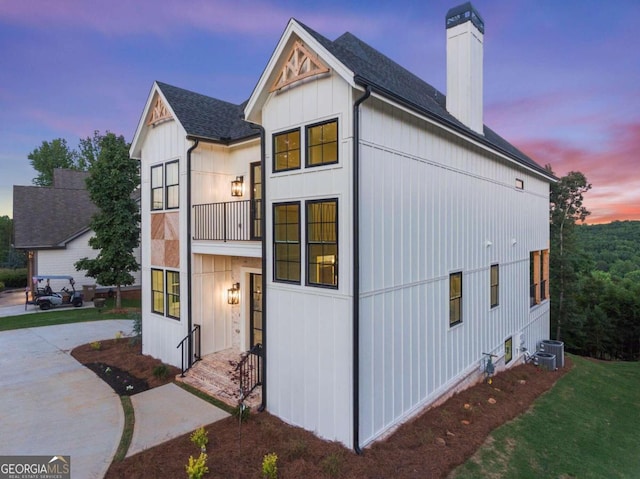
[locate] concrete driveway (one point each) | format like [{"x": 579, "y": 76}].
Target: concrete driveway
[{"x": 52, "y": 405}]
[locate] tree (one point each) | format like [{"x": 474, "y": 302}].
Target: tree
[
  {"x": 566, "y": 209},
  {"x": 89, "y": 150},
  {"x": 113, "y": 177},
  {"x": 49, "y": 156}
]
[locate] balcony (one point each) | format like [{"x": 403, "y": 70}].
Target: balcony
[{"x": 228, "y": 221}]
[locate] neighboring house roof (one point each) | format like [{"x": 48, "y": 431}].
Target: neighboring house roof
[
  {"x": 205, "y": 117},
  {"x": 50, "y": 217},
  {"x": 386, "y": 77}
]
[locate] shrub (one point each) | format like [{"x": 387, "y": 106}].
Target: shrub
[
  {"x": 332, "y": 464},
  {"x": 161, "y": 371},
  {"x": 1, "y": 285},
  {"x": 137, "y": 328},
  {"x": 14, "y": 278},
  {"x": 197, "y": 467},
  {"x": 96, "y": 345},
  {"x": 242, "y": 412},
  {"x": 199, "y": 438},
  {"x": 270, "y": 466}
]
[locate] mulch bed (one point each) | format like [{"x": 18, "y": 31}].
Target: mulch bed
[
  {"x": 430, "y": 446},
  {"x": 123, "y": 383}
]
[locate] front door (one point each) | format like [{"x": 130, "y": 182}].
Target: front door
[{"x": 255, "y": 312}]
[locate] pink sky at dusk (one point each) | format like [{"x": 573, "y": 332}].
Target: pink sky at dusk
[{"x": 562, "y": 79}]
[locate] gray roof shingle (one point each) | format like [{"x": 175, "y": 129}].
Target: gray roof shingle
[
  {"x": 48, "y": 217},
  {"x": 206, "y": 117}
]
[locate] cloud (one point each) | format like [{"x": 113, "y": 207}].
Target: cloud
[{"x": 611, "y": 169}]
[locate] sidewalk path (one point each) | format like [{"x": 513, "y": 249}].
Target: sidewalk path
[{"x": 52, "y": 405}]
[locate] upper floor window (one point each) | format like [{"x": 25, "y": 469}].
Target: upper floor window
[
  {"x": 256, "y": 200},
  {"x": 455, "y": 298},
  {"x": 286, "y": 150},
  {"x": 286, "y": 242},
  {"x": 322, "y": 143},
  {"x": 165, "y": 186},
  {"x": 157, "y": 187},
  {"x": 519, "y": 184},
  {"x": 172, "y": 184},
  {"x": 322, "y": 243},
  {"x": 495, "y": 285}
]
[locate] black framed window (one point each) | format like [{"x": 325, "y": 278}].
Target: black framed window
[
  {"x": 508, "y": 350},
  {"x": 322, "y": 243},
  {"x": 322, "y": 143},
  {"x": 286, "y": 150},
  {"x": 286, "y": 242},
  {"x": 256, "y": 200},
  {"x": 495, "y": 285},
  {"x": 157, "y": 187},
  {"x": 173, "y": 294},
  {"x": 455, "y": 298},
  {"x": 157, "y": 291},
  {"x": 172, "y": 181}
]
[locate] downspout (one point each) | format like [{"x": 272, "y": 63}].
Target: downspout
[
  {"x": 263, "y": 209},
  {"x": 196, "y": 142},
  {"x": 356, "y": 269}
]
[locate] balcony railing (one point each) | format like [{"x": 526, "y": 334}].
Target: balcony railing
[{"x": 228, "y": 221}]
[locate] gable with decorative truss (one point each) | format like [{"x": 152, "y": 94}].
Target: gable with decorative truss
[
  {"x": 300, "y": 64},
  {"x": 159, "y": 113}
]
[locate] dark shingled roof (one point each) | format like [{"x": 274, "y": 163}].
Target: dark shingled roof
[
  {"x": 389, "y": 79},
  {"x": 206, "y": 117},
  {"x": 49, "y": 217}
]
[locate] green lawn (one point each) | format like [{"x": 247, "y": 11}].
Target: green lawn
[
  {"x": 67, "y": 315},
  {"x": 587, "y": 426}
]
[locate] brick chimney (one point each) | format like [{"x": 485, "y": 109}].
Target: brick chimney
[{"x": 465, "y": 32}]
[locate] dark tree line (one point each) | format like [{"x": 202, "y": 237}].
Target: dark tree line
[{"x": 595, "y": 277}]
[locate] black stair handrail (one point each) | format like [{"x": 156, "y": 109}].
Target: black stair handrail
[
  {"x": 250, "y": 368},
  {"x": 192, "y": 353}
]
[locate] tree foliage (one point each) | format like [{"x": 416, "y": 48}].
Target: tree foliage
[
  {"x": 113, "y": 177},
  {"x": 57, "y": 154},
  {"x": 49, "y": 156},
  {"x": 566, "y": 210}
]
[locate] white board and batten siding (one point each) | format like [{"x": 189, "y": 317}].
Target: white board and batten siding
[
  {"x": 309, "y": 340},
  {"x": 432, "y": 205},
  {"x": 163, "y": 143}
]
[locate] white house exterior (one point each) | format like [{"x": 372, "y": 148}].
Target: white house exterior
[{"x": 401, "y": 239}]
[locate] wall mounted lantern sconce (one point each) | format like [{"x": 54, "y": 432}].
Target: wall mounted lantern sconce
[
  {"x": 237, "y": 186},
  {"x": 233, "y": 294}
]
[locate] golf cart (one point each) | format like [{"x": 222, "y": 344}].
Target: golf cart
[{"x": 46, "y": 298}]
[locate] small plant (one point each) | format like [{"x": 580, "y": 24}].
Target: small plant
[
  {"x": 96, "y": 345},
  {"x": 270, "y": 466},
  {"x": 161, "y": 371},
  {"x": 199, "y": 438},
  {"x": 242, "y": 412},
  {"x": 296, "y": 448},
  {"x": 118, "y": 335},
  {"x": 137, "y": 328},
  {"x": 332, "y": 464},
  {"x": 197, "y": 467}
]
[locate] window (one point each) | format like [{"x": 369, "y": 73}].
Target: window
[
  {"x": 322, "y": 243},
  {"x": 157, "y": 202},
  {"x": 495, "y": 281},
  {"x": 256, "y": 200},
  {"x": 539, "y": 276},
  {"x": 286, "y": 242},
  {"x": 519, "y": 184},
  {"x": 286, "y": 151},
  {"x": 508, "y": 350},
  {"x": 322, "y": 144},
  {"x": 173, "y": 294},
  {"x": 157, "y": 291},
  {"x": 455, "y": 298},
  {"x": 172, "y": 177}
]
